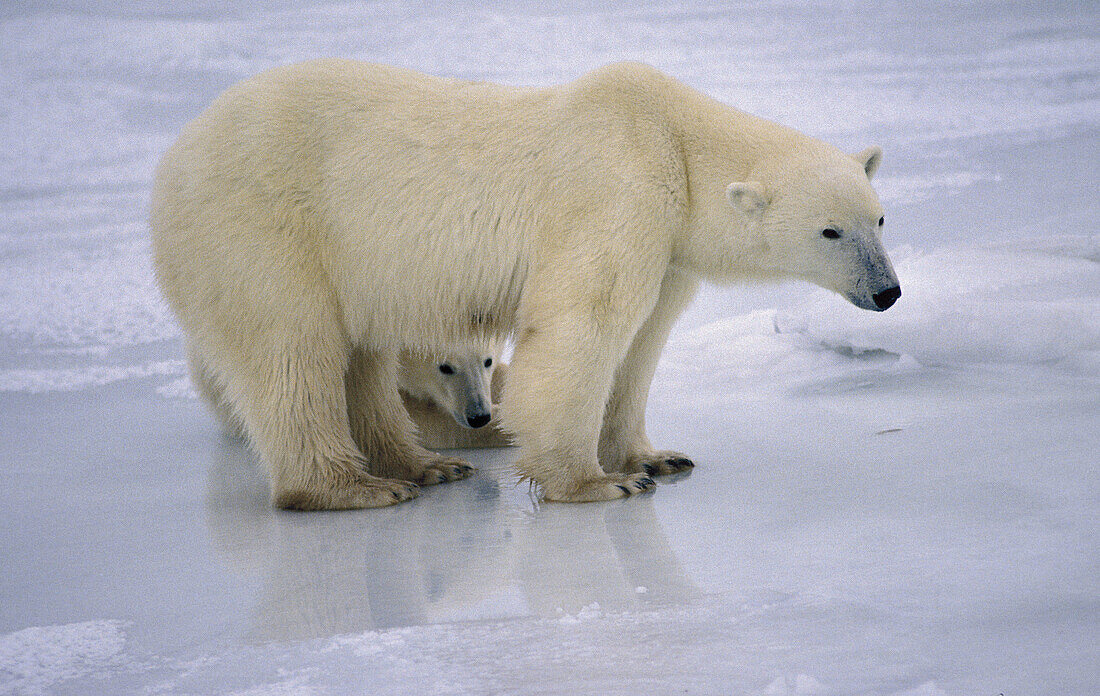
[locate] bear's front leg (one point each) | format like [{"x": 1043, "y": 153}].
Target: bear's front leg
[
  {"x": 624, "y": 445},
  {"x": 554, "y": 399},
  {"x": 382, "y": 429}
]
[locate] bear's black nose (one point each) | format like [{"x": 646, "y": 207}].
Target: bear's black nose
[
  {"x": 479, "y": 420},
  {"x": 884, "y": 299}
]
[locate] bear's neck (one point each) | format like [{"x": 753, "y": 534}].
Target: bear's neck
[{"x": 720, "y": 145}]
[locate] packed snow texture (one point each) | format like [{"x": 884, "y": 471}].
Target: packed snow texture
[
  {"x": 897, "y": 504},
  {"x": 36, "y": 658}
]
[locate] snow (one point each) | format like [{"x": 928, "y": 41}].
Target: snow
[
  {"x": 895, "y": 504},
  {"x": 1039, "y": 308},
  {"x": 35, "y": 658}
]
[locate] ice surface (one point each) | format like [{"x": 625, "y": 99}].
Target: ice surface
[{"x": 896, "y": 504}]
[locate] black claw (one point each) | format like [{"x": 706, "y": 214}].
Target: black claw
[
  {"x": 624, "y": 489},
  {"x": 395, "y": 496},
  {"x": 681, "y": 463},
  {"x": 647, "y": 482}
]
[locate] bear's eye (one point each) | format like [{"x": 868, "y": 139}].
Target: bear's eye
[
  {"x": 830, "y": 233},
  {"x": 881, "y": 220},
  {"x": 446, "y": 369},
  {"x": 488, "y": 362}
]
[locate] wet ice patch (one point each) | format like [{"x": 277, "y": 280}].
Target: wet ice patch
[{"x": 35, "y": 659}]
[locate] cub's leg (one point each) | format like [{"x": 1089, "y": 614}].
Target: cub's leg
[
  {"x": 290, "y": 392},
  {"x": 624, "y": 445},
  {"x": 557, "y": 388},
  {"x": 381, "y": 426}
]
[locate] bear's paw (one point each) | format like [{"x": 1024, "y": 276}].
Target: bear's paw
[
  {"x": 661, "y": 463},
  {"x": 365, "y": 492},
  {"x": 602, "y": 488},
  {"x": 444, "y": 469}
]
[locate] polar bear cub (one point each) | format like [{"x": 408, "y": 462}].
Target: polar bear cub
[{"x": 452, "y": 399}]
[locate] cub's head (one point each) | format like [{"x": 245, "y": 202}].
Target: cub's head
[
  {"x": 819, "y": 220},
  {"x": 459, "y": 383}
]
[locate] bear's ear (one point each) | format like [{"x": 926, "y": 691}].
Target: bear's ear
[
  {"x": 870, "y": 158},
  {"x": 747, "y": 196}
]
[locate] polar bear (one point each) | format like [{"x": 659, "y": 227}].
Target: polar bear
[
  {"x": 451, "y": 399},
  {"x": 318, "y": 219}
]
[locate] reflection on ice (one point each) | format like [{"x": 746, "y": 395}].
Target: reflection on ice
[{"x": 467, "y": 550}]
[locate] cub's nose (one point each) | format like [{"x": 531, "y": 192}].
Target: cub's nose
[
  {"x": 886, "y": 298},
  {"x": 478, "y": 421}
]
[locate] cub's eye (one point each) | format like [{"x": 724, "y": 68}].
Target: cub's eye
[
  {"x": 881, "y": 220},
  {"x": 488, "y": 362},
  {"x": 830, "y": 233},
  {"x": 446, "y": 369}
]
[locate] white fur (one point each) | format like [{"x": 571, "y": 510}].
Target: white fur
[
  {"x": 445, "y": 407},
  {"x": 319, "y": 219}
]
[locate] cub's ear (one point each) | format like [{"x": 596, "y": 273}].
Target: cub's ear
[
  {"x": 747, "y": 196},
  {"x": 870, "y": 158}
]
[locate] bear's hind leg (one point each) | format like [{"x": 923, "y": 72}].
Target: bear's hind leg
[
  {"x": 292, "y": 400},
  {"x": 381, "y": 426},
  {"x": 212, "y": 392}
]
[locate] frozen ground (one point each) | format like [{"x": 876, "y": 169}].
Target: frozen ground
[{"x": 892, "y": 504}]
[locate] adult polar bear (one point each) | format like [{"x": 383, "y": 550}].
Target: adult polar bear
[{"x": 319, "y": 218}]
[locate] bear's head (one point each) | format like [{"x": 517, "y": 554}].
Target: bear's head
[
  {"x": 460, "y": 383},
  {"x": 815, "y": 217}
]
